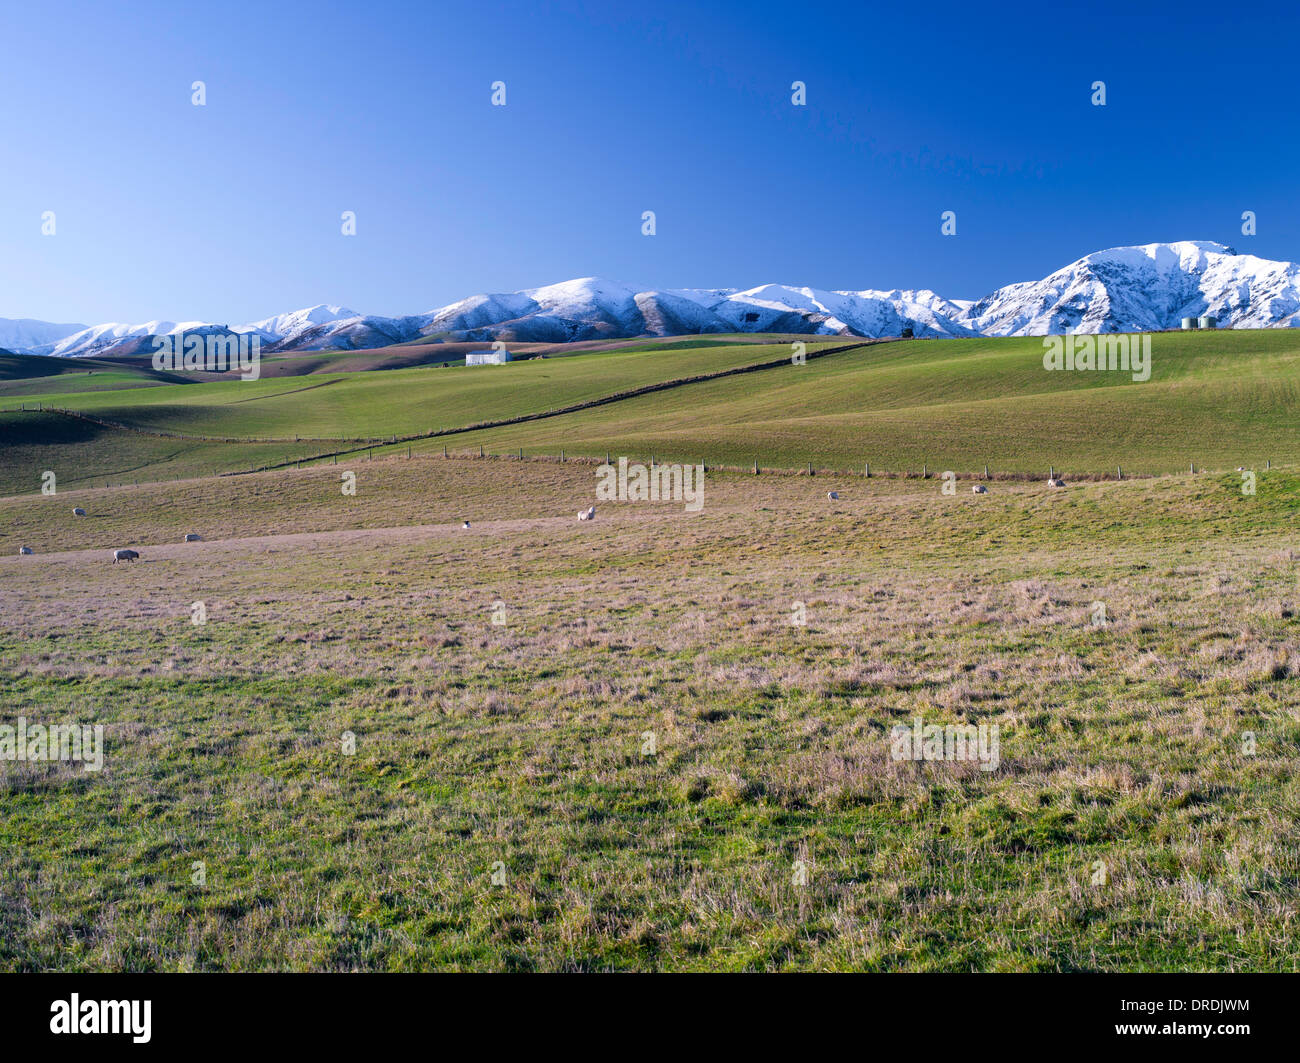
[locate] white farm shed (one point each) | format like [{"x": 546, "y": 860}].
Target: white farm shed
[{"x": 487, "y": 357}]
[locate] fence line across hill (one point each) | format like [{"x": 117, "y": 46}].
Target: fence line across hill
[
  {"x": 368, "y": 445},
  {"x": 755, "y": 468}
]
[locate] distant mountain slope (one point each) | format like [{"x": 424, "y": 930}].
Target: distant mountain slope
[
  {"x": 1136, "y": 289},
  {"x": 1124, "y": 289},
  {"x": 23, "y": 334}
]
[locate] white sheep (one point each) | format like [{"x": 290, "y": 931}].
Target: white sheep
[
  {"x": 465, "y": 524},
  {"x": 124, "y": 555},
  {"x": 1056, "y": 482},
  {"x": 834, "y": 496},
  {"x": 24, "y": 550},
  {"x": 587, "y": 514},
  {"x": 192, "y": 537},
  {"x": 979, "y": 489},
  {"x": 78, "y": 512}
]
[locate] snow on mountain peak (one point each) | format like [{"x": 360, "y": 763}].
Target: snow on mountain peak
[
  {"x": 21, "y": 334},
  {"x": 1145, "y": 288},
  {"x": 1121, "y": 289},
  {"x": 296, "y": 321}
]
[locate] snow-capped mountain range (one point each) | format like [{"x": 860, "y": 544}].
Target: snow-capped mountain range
[{"x": 1125, "y": 289}]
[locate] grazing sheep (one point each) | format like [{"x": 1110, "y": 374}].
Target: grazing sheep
[
  {"x": 24, "y": 550},
  {"x": 192, "y": 537},
  {"x": 587, "y": 514},
  {"x": 124, "y": 555},
  {"x": 834, "y": 496},
  {"x": 465, "y": 524},
  {"x": 1058, "y": 482},
  {"x": 78, "y": 512},
  {"x": 980, "y": 489}
]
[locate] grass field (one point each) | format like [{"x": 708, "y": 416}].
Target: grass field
[
  {"x": 660, "y": 740},
  {"x": 500, "y": 810},
  {"x": 82, "y": 454},
  {"x": 404, "y": 401},
  {"x": 1217, "y": 400}
]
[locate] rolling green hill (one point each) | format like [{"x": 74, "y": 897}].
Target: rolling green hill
[
  {"x": 1220, "y": 400},
  {"x": 83, "y": 454},
  {"x": 23, "y": 375},
  {"x": 403, "y": 401}
]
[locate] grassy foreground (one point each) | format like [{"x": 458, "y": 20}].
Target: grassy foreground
[{"x": 502, "y": 809}]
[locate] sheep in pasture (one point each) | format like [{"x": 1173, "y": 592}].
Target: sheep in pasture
[
  {"x": 1056, "y": 482},
  {"x": 980, "y": 489},
  {"x": 834, "y": 496},
  {"x": 78, "y": 512},
  {"x": 587, "y": 514},
  {"x": 192, "y": 537},
  {"x": 24, "y": 550},
  {"x": 124, "y": 555},
  {"x": 465, "y": 524}
]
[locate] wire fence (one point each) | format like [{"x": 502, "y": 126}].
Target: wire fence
[{"x": 367, "y": 445}]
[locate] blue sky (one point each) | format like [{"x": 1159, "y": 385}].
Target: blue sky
[{"x": 231, "y": 212}]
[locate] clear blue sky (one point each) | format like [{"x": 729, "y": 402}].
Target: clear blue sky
[{"x": 231, "y": 212}]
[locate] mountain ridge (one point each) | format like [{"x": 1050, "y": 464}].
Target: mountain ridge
[{"x": 1136, "y": 288}]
